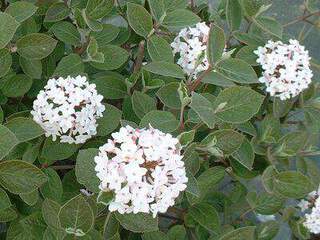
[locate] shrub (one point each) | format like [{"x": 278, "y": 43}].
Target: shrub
[{"x": 157, "y": 119}]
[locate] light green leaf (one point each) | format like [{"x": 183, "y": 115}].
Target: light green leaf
[
  {"x": 292, "y": 184},
  {"x": 32, "y": 68},
  {"x": 140, "y": 222},
  {"x": 8, "y": 27},
  {"x": 139, "y": 19},
  {"x": 159, "y": 49},
  {"x": 85, "y": 164},
  {"x": 110, "y": 120},
  {"x": 57, "y": 12},
  {"x": 237, "y": 70},
  {"x": 16, "y": 86},
  {"x": 204, "y": 109},
  {"x": 20, "y": 177},
  {"x": 25, "y": 129},
  {"x": 36, "y": 46},
  {"x": 165, "y": 69},
  {"x": 76, "y": 216},
  {"x": 7, "y": 141},
  {"x": 97, "y": 9},
  {"x": 244, "y": 233},
  {"x": 70, "y": 65},
  {"x": 66, "y": 32},
  {"x": 180, "y": 18},
  {"x": 216, "y": 44},
  {"x": 5, "y": 61},
  {"x": 233, "y": 14},
  {"x": 142, "y": 103},
  {"x": 162, "y": 120},
  {"x": 237, "y": 104},
  {"x": 21, "y": 10}
]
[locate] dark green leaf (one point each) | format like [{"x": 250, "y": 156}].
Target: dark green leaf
[
  {"x": 142, "y": 103},
  {"x": 66, "y": 32},
  {"x": 165, "y": 69},
  {"x": 8, "y": 27},
  {"x": 139, "y": 222},
  {"x": 164, "y": 121},
  {"x": 159, "y": 49},
  {"x": 7, "y": 141},
  {"x": 206, "y": 216},
  {"x": 21, "y": 10},
  {"x": 57, "y": 12},
  {"x": 180, "y": 18},
  {"x": 70, "y": 65},
  {"x": 216, "y": 44},
  {"x": 110, "y": 120},
  {"x": 5, "y": 61}
]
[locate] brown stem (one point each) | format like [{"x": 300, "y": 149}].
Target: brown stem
[
  {"x": 192, "y": 5},
  {"x": 63, "y": 167},
  {"x": 302, "y": 18},
  {"x": 182, "y": 119},
  {"x": 139, "y": 59},
  {"x": 199, "y": 79}
]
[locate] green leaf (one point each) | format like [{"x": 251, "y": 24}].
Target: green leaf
[
  {"x": 171, "y": 5},
  {"x": 142, "y": 103},
  {"x": 76, "y": 216},
  {"x": 292, "y": 184},
  {"x": 267, "y": 230},
  {"x": 292, "y": 143},
  {"x": 204, "y": 109},
  {"x": 105, "y": 198},
  {"x": 106, "y": 35},
  {"x": 154, "y": 236},
  {"x": 110, "y": 120},
  {"x": 268, "y": 204},
  {"x": 245, "y": 154},
  {"x": 139, "y": 19},
  {"x": 217, "y": 79},
  {"x": 52, "y": 189},
  {"x": 157, "y": 8},
  {"x": 267, "y": 178},
  {"x": 165, "y": 69},
  {"x": 237, "y": 70},
  {"x": 8, "y": 27},
  {"x": 186, "y": 138},
  {"x": 20, "y": 177},
  {"x": 159, "y": 49},
  {"x": 233, "y": 14},
  {"x": 97, "y": 9},
  {"x": 93, "y": 53},
  {"x": 237, "y": 104},
  {"x": 168, "y": 94},
  {"x": 32, "y": 68},
  {"x": 115, "y": 57},
  {"x": 206, "y": 216},
  {"x": 50, "y": 210},
  {"x": 30, "y": 198},
  {"x": 4, "y": 200},
  {"x": 5, "y": 61},
  {"x": 21, "y": 10},
  {"x": 25, "y": 129},
  {"x": 162, "y": 120},
  {"x": 180, "y": 18},
  {"x": 177, "y": 232},
  {"x": 36, "y": 46},
  {"x": 227, "y": 140},
  {"x": 111, "y": 86},
  {"x": 57, "y": 12},
  {"x": 1, "y": 115},
  {"x": 251, "y": 7},
  {"x": 7, "y": 141},
  {"x": 247, "y": 54},
  {"x": 66, "y": 32},
  {"x": 93, "y": 24},
  {"x": 16, "y": 86},
  {"x": 140, "y": 222},
  {"x": 70, "y": 65},
  {"x": 269, "y": 25},
  {"x": 7, "y": 215},
  {"x": 192, "y": 185},
  {"x": 216, "y": 44},
  {"x": 86, "y": 175},
  {"x": 55, "y": 151},
  {"x": 244, "y": 233}
]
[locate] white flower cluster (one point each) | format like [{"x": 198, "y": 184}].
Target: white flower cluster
[
  {"x": 68, "y": 108},
  {"x": 312, "y": 222},
  {"x": 191, "y": 45},
  {"x": 144, "y": 170},
  {"x": 286, "y": 70}
]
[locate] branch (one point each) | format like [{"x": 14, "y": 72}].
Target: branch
[
  {"x": 199, "y": 79},
  {"x": 302, "y": 18},
  {"x": 139, "y": 59}
]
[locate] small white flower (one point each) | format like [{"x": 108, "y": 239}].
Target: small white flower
[
  {"x": 191, "y": 45},
  {"x": 68, "y": 108},
  {"x": 286, "y": 68},
  {"x": 144, "y": 169}
]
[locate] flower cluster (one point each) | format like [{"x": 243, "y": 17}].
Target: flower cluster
[
  {"x": 311, "y": 204},
  {"x": 68, "y": 108},
  {"x": 191, "y": 45},
  {"x": 286, "y": 68},
  {"x": 143, "y": 168}
]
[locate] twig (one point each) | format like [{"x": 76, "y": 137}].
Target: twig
[
  {"x": 182, "y": 118},
  {"x": 139, "y": 59},
  {"x": 301, "y": 18},
  {"x": 62, "y": 167},
  {"x": 199, "y": 79},
  {"x": 169, "y": 216},
  {"x": 192, "y": 5}
]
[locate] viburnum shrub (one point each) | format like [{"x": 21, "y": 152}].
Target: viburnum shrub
[{"x": 159, "y": 120}]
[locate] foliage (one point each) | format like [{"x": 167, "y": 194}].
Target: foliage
[{"x": 246, "y": 153}]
